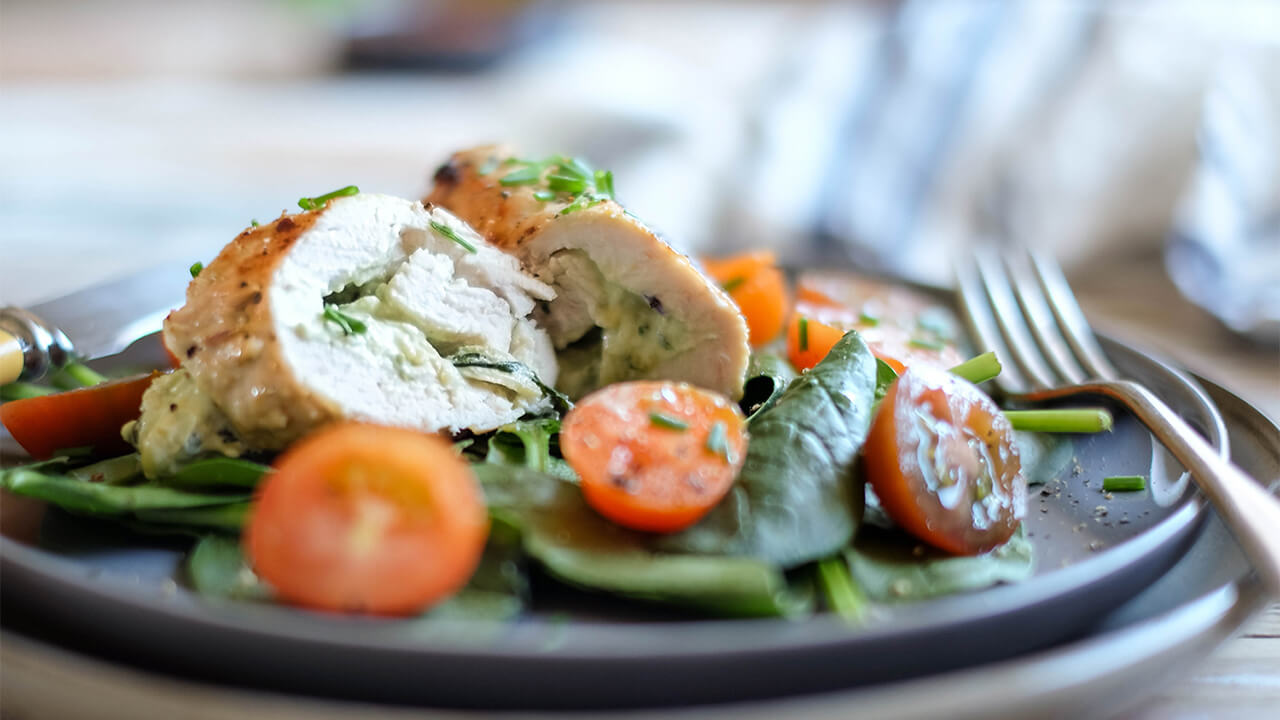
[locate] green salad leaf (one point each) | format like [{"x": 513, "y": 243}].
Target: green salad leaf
[
  {"x": 219, "y": 472},
  {"x": 576, "y": 545},
  {"x": 99, "y": 498},
  {"x": 893, "y": 566},
  {"x": 767, "y": 377},
  {"x": 797, "y": 498}
]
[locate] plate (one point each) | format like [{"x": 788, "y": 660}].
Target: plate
[{"x": 125, "y": 596}]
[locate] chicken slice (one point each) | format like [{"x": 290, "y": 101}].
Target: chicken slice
[
  {"x": 627, "y": 305},
  {"x": 353, "y": 311}
]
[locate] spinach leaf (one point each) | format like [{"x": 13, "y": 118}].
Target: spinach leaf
[
  {"x": 529, "y": 443},
  {"x": 219, "y": 472},
  {"x": 767, "y": 377},
  {"x": 217, "y": 568},
  {"x": 111, "y": 471},
  {"x": 90, "y": 497},
  {"x": 893, "y": 566},
  {"x": 885, "y": 375},
  {"x": 581, "y": 548},
  {"x": 797, "y": 498},
  {"x": 227, "y": 518},
  {"x": 518, "y": 372}
]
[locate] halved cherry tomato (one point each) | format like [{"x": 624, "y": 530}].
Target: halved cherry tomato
[
  {"x": 88, "y": 417},
  {"x": 726, "y": 270},
  {"x": 941, "y": 459},
  {"x": 758, "y": 288},
  {"x": 654, "y": 455},
  {"x": 362, "y": 518},
  {"x": 808, "y": 340}
]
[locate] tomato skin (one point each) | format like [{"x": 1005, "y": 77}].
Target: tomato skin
[
  {"x": 89, "y": 416},
  {"x": 809, "y": 340},
  {"x": 958, "y": 487},
  {"x": 757, "y": 287},
  {"x": 361, "y": 518},
  {"x": 646, "y": 476}
]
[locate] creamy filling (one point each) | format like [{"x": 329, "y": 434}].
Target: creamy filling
[
  {"x": 179, "y": 423},
  {"x": 604, "y": 332}
]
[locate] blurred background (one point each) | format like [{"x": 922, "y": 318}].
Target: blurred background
[{"x": 1139, "y": 140}]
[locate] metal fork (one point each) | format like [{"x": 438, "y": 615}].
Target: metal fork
[{"x": 1021, "y": 307}]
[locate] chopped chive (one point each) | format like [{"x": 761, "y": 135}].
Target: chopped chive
[
  {"x": 349, "y": 325},
  {"x": 452, "y": 234},
  {"x": 489, "y": 166},
  {"x": 527, "y": 175},
  {"x": 566, "y": 183},
  {"x": 935, "y": 325},
  {"x": 83, "y": 375},
  {"x": 318, "y": 201},
  {"x": 544, "y": 195},
  {"x": 576, "y": 167},
  {"x": 978, "y": 369},
  {"x": 253, "y": 223},
  {"x": 867, "y": 319},
  {"x": 1080, "y": 420},
  {"x": 718, "y": 441},
  {"x": 195, "y": 269},
  {"x": 925, "y": 343},
  {"x": 1124, "y": 483},
  {"x": 668, "y": 422},
  {"x": 604, "y": 182},
  {"x": 583, "y": 202},
  {"x": 804, "y": 333},
  {"x": 843, "y": 595},
  {"x": 733, "y": 283}
]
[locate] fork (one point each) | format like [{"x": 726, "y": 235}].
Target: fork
[{"x": 1021, "y": 308}]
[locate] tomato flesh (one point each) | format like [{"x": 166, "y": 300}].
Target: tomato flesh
[
  {"x": 359, "y": 518},
  {"x": 646, "y": 455},
  {"x": 941, "y": 459}
]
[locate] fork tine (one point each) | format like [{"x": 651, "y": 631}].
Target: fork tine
[
  {"x": 1009, "y": 317},
  {"x": 1071, "y": 318},
  {"x": 1041, "y": 320},
  {"x": 982, "y": 325}
]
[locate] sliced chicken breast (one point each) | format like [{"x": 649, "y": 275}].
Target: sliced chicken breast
[
  {"x": 627, "y": 304},
  {"x": 371, "y": 308}
]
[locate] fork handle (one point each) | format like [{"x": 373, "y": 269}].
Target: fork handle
[{"x": 1250, "y": 510}]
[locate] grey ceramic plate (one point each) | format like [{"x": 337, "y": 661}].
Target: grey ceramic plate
[{"x": 119, "y": 592}]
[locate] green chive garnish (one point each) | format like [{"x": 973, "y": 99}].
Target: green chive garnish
[
  {"x": 544, "y": 195},
  {"x": 452, "y": 234},
  {"x": 1124, "y": 483},
  {"x": 804, "y": 333},
  {"x": 527, "y": 175},
  {"x": 1065, "y": 420},
  {"x": 978, "y": 369},
  {"x": 253, "y": 223},
  {"x": 319, "y": 201},
  {"x": 349, "y": 325},
  {"x": 489, "y": 166},
  {"x": 566, "y": 183},
  {"x": 195, "y": 269},
  {"x": 718, "y": 441},
  {"x": 868, "y": 320},
  {"x": 668, "y": 422},
  {"x": 604, "y": 182},
  {"x": 925, "y": 343},
  {"x": 733, "y": 283}
]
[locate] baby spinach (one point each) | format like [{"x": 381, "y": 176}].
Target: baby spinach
[
  {"x": 219, "y": 472},
  {"x": 579, "y": 547},
  {"x": 77, "y": 495},
  {"x": 797, "y": 498},
  {"x": 892, "y": 566},
  {"x": 530, "y": 443},
  {"x": 767, "y": 377}
]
